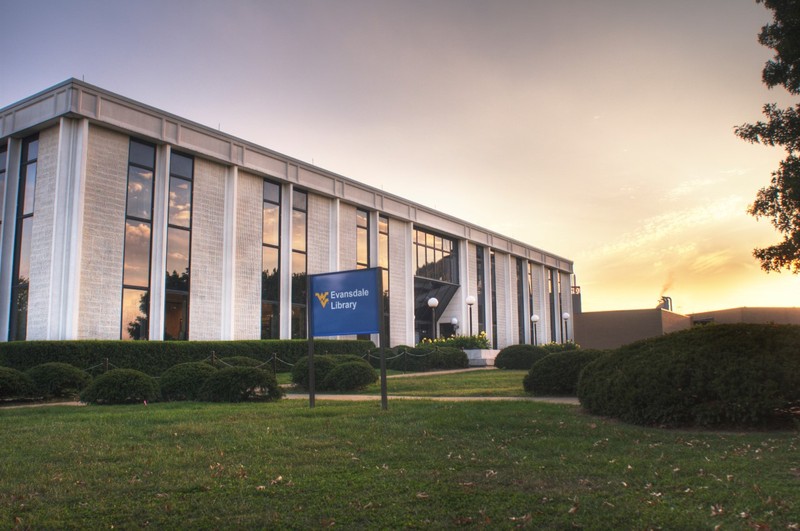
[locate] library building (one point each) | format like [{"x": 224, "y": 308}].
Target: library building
[{"x": 122, "y": 221}]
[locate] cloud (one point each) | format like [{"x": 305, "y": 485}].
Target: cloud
[
  {"x": 654, "y": 230},
  {"x": 712, "y": 261},
  {"x": 688, "y": 188}
]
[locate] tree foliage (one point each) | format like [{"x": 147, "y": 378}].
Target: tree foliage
[{"x": 780, "y": 201}]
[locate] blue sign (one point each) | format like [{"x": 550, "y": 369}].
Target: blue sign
[{"x": 345, "y": 303}]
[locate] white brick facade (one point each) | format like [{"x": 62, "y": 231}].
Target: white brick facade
[
  {"x": 103, "y": 235},
  {"x": 247, "y": 293},
  {"x": 80, "y": 198},
  {"x": 208, "y": 221}
]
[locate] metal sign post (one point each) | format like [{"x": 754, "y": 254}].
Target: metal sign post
[{"x": 345, "y": 303}]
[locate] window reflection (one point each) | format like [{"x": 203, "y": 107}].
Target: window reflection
[
  {"x": 177, "y": 259},
  {"x": 299, "y": 231},
  {"x": 176, "y": 316},
  {"x": 140, "y": 193},
  {"x": 24, "y": 268},
  {"x": 135, "y": 309},
  {"x": 29, "y": 188},
  {"x": 436, "y": 257},
  {"x": 271, "y": 224},
  {"x": 180, "y": 202},
  {"x": 142, "y": 154},
  {"x": 270, "y": 278},
  {"x": 136, "y": 270},
  {"x": 18, "y": 325}
]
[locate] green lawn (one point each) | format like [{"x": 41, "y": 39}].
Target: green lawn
[
  {"x": 474, "y": 383},
  {"x": 419, "y": 464}
]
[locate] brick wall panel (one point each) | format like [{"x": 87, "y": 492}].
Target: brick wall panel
[{"x": 103, "y": 235}]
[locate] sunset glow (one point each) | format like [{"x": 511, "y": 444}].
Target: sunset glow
[{"x": 598, "y": 130}]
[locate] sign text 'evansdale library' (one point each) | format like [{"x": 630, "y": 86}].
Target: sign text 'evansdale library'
[{"x": 345, "y": 303}]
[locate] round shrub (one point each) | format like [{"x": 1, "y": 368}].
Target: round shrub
[
  {"x": 740, "y": 375},
  {"x": 183, "y": 381},
  {"x": 519, "y": 357},
  {"x": 58, "y": 380},
  {"x": 444, "y": 358},
  {"x": 121, "y": 386},
  {"x": 557, "y": 374},
  {"x": 349, "y": 376},
  {"x": 322, "y": 366},
  {"x": 15, "y": 384},
  {"x": 237, "y": 384}
]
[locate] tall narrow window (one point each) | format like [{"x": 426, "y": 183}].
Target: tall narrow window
[
  {"x": 299, "y": 262},
  {"x": 20, "y": 281},
  {"x": 521, "y": 300},
  {"x": 383, "y": 263},
  {"x": 481, "y": 280},
  {"x": 493, "y": 274},
  {"x": 179, "y": 239},
  {"x": 362, "y": 239},
  {"x": 135, "y": 320},
  {"x": 270, "y": 262},
  {"x": 362, "y": 246},
  {"x": 551, "y": 292},
  {"x": 531, "y": 302},
  {"x": 3, "y": 162}
]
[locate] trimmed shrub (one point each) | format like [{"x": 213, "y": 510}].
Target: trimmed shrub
[
  {"x": 443, "y": 358},
  {"x": 519, "y": 357},
  {"x": 349, "y": 376},
  {"x": 184, "y": 381},
  {"x": 15, "y": 384},
  {"x": 426, "y": 357},
  {"x": 121, "y": 386},
  {"x": 322, "y": 366},
  {"x": 58, "y": 380},
  {"x": 237, "y": 384},
  {"x": 557, "y": 374},
  {"x": 154, "y": 357},
  {"x": 740, "y": 375}
]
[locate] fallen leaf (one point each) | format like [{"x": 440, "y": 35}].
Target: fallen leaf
[{"x": 422, "y": 496}]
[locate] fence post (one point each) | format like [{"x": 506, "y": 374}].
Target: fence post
[
  {"x": 213, "y": 358},
  {"x": 105, "y": 364},
  {"x": 275, "y": 363}
]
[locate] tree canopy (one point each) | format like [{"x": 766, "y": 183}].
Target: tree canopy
[{"x": 780, "y": 201}]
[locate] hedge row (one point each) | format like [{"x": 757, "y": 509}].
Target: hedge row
[
  {"x": 423, "y": 358},
  {"x": 154, "y": 357}
]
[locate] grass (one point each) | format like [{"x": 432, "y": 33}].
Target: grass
[
  {"x": 493, "y": 383},
  {"x": 418, "y": 464}
]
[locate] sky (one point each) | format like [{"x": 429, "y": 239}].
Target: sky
[{"x": 598, "y": 130}]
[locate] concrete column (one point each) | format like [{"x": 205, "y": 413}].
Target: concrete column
[
  {"x": 62, "y": 321},
  {"x": 158, "y": 258},
  {"x": 286, "y": 262},
  {"x": 228, "y": 287}
]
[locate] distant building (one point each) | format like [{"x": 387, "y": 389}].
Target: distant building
[
  {"x": 119, "y": 220},
  {"x": 749, "y": 315},
  {"x": 612, "y": 329}
]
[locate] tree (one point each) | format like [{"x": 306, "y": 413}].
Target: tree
[{"x": 780, "y": 201}]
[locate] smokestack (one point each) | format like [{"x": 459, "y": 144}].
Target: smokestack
[{"x": 665, "y": 303}]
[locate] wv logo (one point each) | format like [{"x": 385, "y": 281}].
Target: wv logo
[{"x": 323, "y": 298}]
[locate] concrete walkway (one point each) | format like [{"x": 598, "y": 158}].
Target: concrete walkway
[{"x": 364, "y": 398}]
